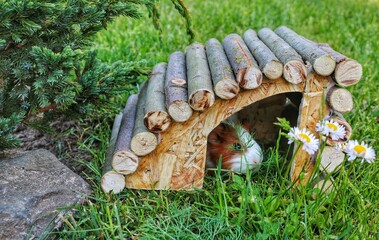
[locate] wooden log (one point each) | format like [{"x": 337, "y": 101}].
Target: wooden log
[
  {"x": 348, "y": 71},
  {"x": 331, "y": 159},
  {"x": 322, "y": 62},
  {"x": 156, "y": 117},
  {"x": 339, "y": 99},
  {"x": 294, "y": 70},
  {"x": 224, "y": 82},
  {"x": 269, "y": 64},
  {"x": 326, "y": 186},
  {"x": 112, "y": 180},
  {"x": 200, "y": 90},
  {"x": 143, "y": 141},
  {"x": 176, "y": 88},
  {"x": 244, "y": 66},
  {"x": 124, "y": 160}
]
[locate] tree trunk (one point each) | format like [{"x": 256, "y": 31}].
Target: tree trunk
[
  {"x": 321, "y": 62},
  {"x": 176, "y": 88},
  {"x": 112, "y": 180},
  {"x": 124, "y": 160},
  {"x": 294, "y": 70},
  {"x": 201, "y": 95},
  {"x": 156, "y": 117},
  {"x": 339, "y": 99},
  {"x": 143, "y": 142},
  {"x": 224, "y": 82},
  {"x": 269, "y": 64},
  {"x": 244, "y": 66},
  {"x": 348, "y": 71}
]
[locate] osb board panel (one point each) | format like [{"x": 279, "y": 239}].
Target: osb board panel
[
  {"x": 312, "y": 109},
  {"x": 179, "y": 160}
]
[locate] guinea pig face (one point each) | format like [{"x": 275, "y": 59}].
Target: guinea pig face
[{"x": 236, "y": 148}]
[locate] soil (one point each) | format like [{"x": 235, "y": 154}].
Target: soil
[{"x": 63, "y": 143}]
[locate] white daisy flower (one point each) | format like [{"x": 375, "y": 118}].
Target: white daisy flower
[
  {"x": 309, "y": 141},
  {"x": 355, "y": 150},
  {"x": 331, "y": 128}
]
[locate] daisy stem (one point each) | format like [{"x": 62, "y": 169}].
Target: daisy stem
[
  {"x": 317, "y": 161},
  {"x": 290, "y": 164}
]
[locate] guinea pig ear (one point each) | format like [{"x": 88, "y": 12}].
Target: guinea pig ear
[
  {"x": 246, "y": 125},
  {"x": 217, "y": 136}
]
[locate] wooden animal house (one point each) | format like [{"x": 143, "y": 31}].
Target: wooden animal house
[{"x": 159, "y": 141}]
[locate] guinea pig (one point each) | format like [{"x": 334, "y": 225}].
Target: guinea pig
[{"x": 234, "y": 146}]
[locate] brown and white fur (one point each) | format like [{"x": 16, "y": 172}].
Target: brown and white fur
[{"x": 234, "y": 146}]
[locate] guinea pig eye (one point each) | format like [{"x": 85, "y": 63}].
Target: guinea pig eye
[{"x": 237, "y": 146}]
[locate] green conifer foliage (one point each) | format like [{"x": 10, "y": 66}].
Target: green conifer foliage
[{"x": 45, "y": 64}]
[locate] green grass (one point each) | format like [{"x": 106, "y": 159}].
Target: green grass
[{"x": 261, "y": 205}]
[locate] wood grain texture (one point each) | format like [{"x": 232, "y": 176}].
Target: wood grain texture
[
  {"x": 244, "y": 66},
  {"x": 124, "y": 160},
  {"x": 176, "y": 88},
  {"x": 312, "y": 110},
  {"x": 348, "y": 71},
  {"x": 294, "y": 70},
  {"x": 156, "y": 117},
  {"x": 200, "y": 89},
  {"x": 179, "y": 160},
  {"x": 269, "y": 64},
  {"x": 322, "y": 62},
  {"x": 224, "y": 82}
]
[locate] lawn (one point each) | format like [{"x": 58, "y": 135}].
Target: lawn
[{"x": 261, "y": 205}]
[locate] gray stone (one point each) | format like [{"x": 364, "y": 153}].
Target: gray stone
[{"x": 32, "y": 187}]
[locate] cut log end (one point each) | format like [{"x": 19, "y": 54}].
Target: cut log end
[
  {"x": 112, "y": 181},
  {"x": 180, "y": 111},
  {"x": 143, "y": 143},
  {"x": 201, "y": 99},
  {"x": 273, "y": 70},
  {"x": 324, "y": 65},
  {"x": 157, "y": 121},
  {"x": 295, "y": 72},
  {"x": 348, "y": 73},
  {"x": 249, "y": 78},
  {"x": 326, "y": 187},
  {"x": 340, "y": 100},
  {"x": 226, "y": 89},
  {"x": 124, "y": 162},
  {"x": 331, "y": 159}
]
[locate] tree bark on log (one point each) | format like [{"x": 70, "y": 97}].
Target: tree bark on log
[
  {"x": 112, "y": 180},
  {"x": 243, "y": 63},
  {"x": 224, "y": 82},
  {"x": 331, "y": 159},
  {"x": 156, "y": 117},
  {"x": 269, "y": 64},
  {"x": 176, "y": 88},
  {"x": 348, "y": 71},
  {"x": 294, "y": 70},
  {"x": 321, "y": 61},
  {"x": 124, "y": 161},
  {"x": 200, "y": 90},
  {"x": 143, "y": 142},
  {"x": 339, "y": 99}
]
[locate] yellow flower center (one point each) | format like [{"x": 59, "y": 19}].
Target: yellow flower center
[
  {"x": 305, "y": 137},
  {"x": 332, "y": 126},
  {"x": 359, "y": 149}
]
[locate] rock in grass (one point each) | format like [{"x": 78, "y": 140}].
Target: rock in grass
[{"x": 32, "y": 187}]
